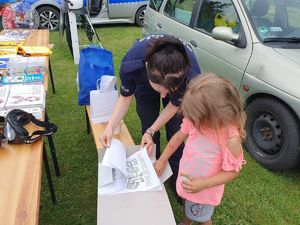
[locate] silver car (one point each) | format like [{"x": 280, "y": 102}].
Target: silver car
[
  {"x": 101, "y": 11},
  {"x": 256, "y": 45}
]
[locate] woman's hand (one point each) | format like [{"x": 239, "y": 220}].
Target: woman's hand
[
  {"x": 147, "y": 142},
  {"x": 105, "y": 138},
  {"x": 159, "y": 166},
  {"x": 192, "y": 185}
]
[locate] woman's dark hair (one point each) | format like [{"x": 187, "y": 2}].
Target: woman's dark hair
[{"x": 167, "y": 61}]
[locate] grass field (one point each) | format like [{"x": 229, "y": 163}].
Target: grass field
[{"x": 256, "y": 197}]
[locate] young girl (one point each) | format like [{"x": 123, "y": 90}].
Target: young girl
[{"x": 213, "y": 126}]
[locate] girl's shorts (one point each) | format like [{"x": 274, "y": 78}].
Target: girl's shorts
[{"x": 198, "y": 212}]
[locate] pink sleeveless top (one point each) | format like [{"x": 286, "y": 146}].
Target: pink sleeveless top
[{"x": 205, "y": 155}]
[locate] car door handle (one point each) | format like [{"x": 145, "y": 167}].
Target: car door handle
[
  {"x": 159, "y": 25},
  {"x": 194, "y": 43}
]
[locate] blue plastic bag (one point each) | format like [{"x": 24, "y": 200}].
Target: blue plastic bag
[{"x": 94, "y": 62}]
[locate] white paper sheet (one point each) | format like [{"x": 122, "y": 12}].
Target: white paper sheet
[
  {"x": 141, "y": 174},
  {"x": 136, "y": 173},
  {"x": 134, "y": 207},
  {"x": 115, "y": 156}
]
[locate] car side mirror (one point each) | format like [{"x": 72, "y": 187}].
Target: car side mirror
[{"x": 224, "y": 34}]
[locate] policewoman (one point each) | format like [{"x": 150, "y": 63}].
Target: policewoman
[{"x": 158, "y": 66}]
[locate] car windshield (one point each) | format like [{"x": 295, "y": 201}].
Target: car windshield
[{"x": 275, "y": 20}]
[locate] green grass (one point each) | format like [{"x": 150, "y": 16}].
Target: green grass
[{"x": 257, "y": 196}]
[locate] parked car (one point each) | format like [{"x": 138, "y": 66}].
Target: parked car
[
  {"x": 49, "y": 11},
  {"x": 101, "y": 11},
  {"x": 256, "y": 45}
]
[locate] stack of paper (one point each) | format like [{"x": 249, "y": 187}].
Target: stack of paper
[
  {"x": 26, "y": 65},
  {"x": 26, "y": 96},
  {"x": 119, "y": 174},
  {"x": 29, "y": 98},
  {"x": 36, "y": 112}
]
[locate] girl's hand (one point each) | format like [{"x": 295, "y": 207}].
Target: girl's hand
[
  {"x": 159, "y": 166},
  {"x": 192, "y": 185},
  {"x": 105, "y": 138},
  {"x": 148, "y": 142}
]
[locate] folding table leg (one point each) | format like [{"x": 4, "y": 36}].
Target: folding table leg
[
  {"x": 88, "y": 130},
  {"x": 52, "y": 150},
  {"x": 51, "y": 76},
  {"x": 53, "y": 155},
  {"x": 49, "y": 178}
]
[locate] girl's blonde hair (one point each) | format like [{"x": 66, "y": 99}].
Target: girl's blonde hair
[{"x": 212, "y": 102}]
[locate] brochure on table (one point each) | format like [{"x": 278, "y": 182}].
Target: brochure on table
[
  {"x": 30, "y": 98},
  {"x": 147, "y": 207}
]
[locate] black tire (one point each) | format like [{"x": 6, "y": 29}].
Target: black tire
[
  {"x": 140, "y": 16},
  {"x": 49, "y": 18},
  {"x": 272, "y": 134}
]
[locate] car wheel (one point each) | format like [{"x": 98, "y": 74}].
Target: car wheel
[
  {"x": 272, "y": 134},
  {"x": 140, "y": 16},
  {"x": 49, "y": 18}
]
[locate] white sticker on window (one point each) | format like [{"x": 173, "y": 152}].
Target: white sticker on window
[{"x": 275, "y": 29}]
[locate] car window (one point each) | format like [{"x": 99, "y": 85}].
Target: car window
[
  {"x": 275, "y": 20},
  {"x": 155, "y": 4},
  {"x": 294, "y": 16},
  {"x": 216, "y": 13},
  {"x": 180, "y": 10}
]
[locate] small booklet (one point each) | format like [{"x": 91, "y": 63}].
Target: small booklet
[
  {"x": 22, "y": 79},
  {"x": 121, "y": 174}
]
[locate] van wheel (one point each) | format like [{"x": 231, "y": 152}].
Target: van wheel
[
  {"x": 140, "y": 16},
  {"x": 49, "y": 18},
  {"x": 272, "y": 134}
]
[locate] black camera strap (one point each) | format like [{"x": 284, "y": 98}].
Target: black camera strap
[
  {"x": 50, "y": 129},
  {"x": 15, "y": 133}
]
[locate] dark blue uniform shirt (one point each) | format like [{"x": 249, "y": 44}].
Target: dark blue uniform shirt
[{"x": 133, "y": 70}]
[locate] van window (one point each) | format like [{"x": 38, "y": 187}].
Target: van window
[
  {"x": 180, "y": 10},
  {"x": 216, "y": 13},
  {"x": 155, "y": 4}
]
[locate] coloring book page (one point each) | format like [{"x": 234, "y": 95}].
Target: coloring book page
[{"x": 121, "y": 174}]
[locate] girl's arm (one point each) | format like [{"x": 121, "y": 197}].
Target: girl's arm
[
  {"x": 177, "y": 139},
  {"x": 166, "y": 114},
  {"x": 197, "y": 185}
]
